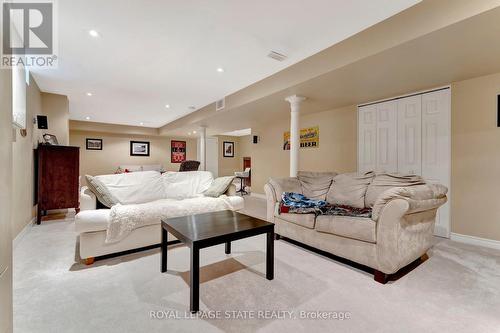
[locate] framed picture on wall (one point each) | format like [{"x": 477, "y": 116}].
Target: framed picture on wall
[
  {"x": 177, "y": 151},
  {"x": 228, "y": 148},
  {"x": 93, "y": 144},
  {"x": 139, "y": 148}
]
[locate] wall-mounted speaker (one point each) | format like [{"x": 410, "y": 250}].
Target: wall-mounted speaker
[
  {"x": 42, "y": 122},
  {"x": 255, "y": 139}
]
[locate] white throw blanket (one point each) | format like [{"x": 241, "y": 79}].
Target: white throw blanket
[{"x": 125, "y": 218}]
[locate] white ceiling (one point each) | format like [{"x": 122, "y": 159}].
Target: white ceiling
[{"x": 152, "y": 53}]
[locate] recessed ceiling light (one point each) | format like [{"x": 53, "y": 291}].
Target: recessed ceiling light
[
  {"x": 94, "y": 33},
  {"x": 189, "y": 133},
  {"x": 87, "y": 118},
  {"x": 89, "y": 94},
  {"x": 194, "y": 132},
  {"x": 141, "y": 123},
  {"x": 220, "y": 70}
]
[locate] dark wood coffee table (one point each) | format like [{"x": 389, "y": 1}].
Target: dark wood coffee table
[{"x": 209, "y": 229}]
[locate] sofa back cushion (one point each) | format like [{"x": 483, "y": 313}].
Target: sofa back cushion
[
  {"x": 183, "y": 185},
  {"x": 385, "y": 181},
  {"x": 281, "y": 185},
  {"x": 349, "y": 189},
  {"x": 103, "y": 195},
  {"x": 135, "y": 187},
  {"x": 315, "y": 185}
]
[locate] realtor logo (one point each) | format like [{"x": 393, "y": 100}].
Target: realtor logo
[{"x": 28, "y": 37}]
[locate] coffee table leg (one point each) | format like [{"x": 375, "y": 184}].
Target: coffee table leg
[
  {"x": 228, "y": 248},
  {"x": 194, "y": 279},
  {"x": 164, "y": 246},
  {"x": 270, "y": 256}
]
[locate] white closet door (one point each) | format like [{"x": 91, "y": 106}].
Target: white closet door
[
  {"x": 367, "y": 138},
  {"x": 387, "y": 152},
  {"x": 410, "y": 135},
  {"x": 436, "y": 148}
]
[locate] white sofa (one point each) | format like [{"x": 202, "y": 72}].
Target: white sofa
[{"x": 91, "y": 223}]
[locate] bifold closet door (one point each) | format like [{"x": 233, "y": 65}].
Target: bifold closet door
[
  {"x": 367, "y": 138},
  {"x": 436, "y": 149},
  {"x": 410, "y": 135},
  {"x": 387, "y": 151}
]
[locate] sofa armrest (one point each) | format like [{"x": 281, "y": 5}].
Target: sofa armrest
[
  {"x": 405, "y": 224},
  {"x": 231, "y": 191},
  {"x": 420, "y": 198},
  {"x": 270, "y": 202},
  {"x": 88, "y": 200}
]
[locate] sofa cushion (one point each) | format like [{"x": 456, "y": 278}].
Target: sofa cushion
[
  {"x": 315, "y": 185},
  {"x": 359, "y": 228},
  {"x": 135, "y": 187},
  {"x": 183, "y": 185},
  {"x": 305, "y": 220},
  {"x": 349, "y": 189},
  {"x": 385, "y": 181},
  {"x": 101, "y": 191},
  {"x": 219, "y": 186},
  {"x": 281, "y": 185}
]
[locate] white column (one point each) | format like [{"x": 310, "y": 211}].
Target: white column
[
  {"x": 294, "y": 132},
  {"x": 203, "y": 148}
]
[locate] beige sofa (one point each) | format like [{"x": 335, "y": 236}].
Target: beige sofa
[{"x": 399, "y": 231}]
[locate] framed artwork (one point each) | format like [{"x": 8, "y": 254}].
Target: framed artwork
[
  {"x": 309, "y": 138},
  {"x": 50, "y": 139},
  {"x": 228, "y": 148},
  {"x": 177, "y": 151},
  {"x": 139, "y": 148},
  {"x": 93, "y": 144}
]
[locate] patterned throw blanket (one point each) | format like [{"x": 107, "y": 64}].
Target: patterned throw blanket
[{"x": 299, "y": 204}]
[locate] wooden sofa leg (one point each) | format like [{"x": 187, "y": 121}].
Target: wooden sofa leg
[
  {"x": 88, "y": 261},
  {"x": 380, "y": 277},
  {"x": 277, "y": 237},
  {"x": 424, "y": 257}
]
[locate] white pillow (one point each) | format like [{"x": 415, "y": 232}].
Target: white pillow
[
  {"x": 134, "y": 187},
  {"x": 183, "y": 185}
]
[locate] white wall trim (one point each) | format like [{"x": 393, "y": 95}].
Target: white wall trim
[
  {"x": 258, "y": 195},
  {"x": 23, "y": 233},
  {"x": 494, "y": 244}
]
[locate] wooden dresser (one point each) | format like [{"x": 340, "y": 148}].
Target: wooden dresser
[{"x": 56, "y": 171}]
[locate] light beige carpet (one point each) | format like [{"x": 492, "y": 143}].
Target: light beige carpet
[{"x": 456, "y": 290}]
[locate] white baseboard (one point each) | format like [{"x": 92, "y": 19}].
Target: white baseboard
[
  {"x": 258, "y": 195},
  {"x": 494, "y": 244},
  {"x": 23, "y": 232}
]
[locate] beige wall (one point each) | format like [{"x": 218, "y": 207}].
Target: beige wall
[
  {"x": 228, "y": 165},
  {"x": 116, "y": 152},
  {"x": 56, "y": 108},
  {"x": 242, "y": 148},
  {"x": 23, "y": 162},
  {"x": 475, "y": 153},
  {"x": 5, "y": 200},
  {"x": 245, "y": 147},
  {"x": 337, "y": 147},
  {"x": 476, "y": 157}
]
